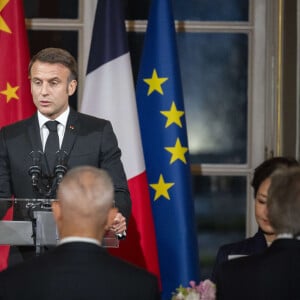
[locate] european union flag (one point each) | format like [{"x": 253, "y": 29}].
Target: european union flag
[{"x": 164, "y": 137}]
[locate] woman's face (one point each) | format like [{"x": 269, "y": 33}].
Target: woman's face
[{"x": 261, "y": 213}]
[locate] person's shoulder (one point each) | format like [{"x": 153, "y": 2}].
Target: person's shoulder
[
  {"x": 15, "y": 270},
  {"x": 247, "y": 246},
  {"x": 131, "y": 269},
  {"x": 232, "y": 268},
  {"x": 235, "y": 247},
  {"x": 239, "y": 273},
  {"x": 22, "y": 124},
  {"x": 130, "y": 276},
  {"x": 91, "y": 119},
  {"x": 90, "y": 123}
]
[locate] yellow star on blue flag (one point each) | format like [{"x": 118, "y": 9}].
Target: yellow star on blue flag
[
  {"x": 155, "y": 83},
  {"x": 161, "y": 188},
  {"x": 173, "y": 115},
  {"x": 178, "y": 152}
]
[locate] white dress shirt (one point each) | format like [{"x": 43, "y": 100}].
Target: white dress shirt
[{"x": 61, "y": 127}]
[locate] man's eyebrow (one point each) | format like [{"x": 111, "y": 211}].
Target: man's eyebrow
[
  {"x": 50, "y": 79},
  {"x": 54, "y": 78}
]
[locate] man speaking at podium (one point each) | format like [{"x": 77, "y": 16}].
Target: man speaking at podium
[{"x": 36, "y": 153}]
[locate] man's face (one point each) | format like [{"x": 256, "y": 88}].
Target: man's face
[{"x": 50, "y": 88}]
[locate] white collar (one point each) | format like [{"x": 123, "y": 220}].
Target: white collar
[
  {"x": 71, "y": 239},
  {"x": 62, "y": 119},
  {"x": 287, "y": 236}
]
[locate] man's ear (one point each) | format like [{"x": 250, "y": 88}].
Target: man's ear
[
  {"x": 72, "y": 87},
  {"x": 110, "y": 217},
  {"x": 56, "y": 210}
]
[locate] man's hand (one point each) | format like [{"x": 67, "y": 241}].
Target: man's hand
[{"x": 119, "y": 224}]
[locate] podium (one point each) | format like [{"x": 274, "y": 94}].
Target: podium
[{"x": 36, "y": 226}]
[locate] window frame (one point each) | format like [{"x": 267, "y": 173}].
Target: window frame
[{"x": 260, "y": 85}]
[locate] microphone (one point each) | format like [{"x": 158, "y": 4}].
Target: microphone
[
  {"x": 61, "y": 165},
  {"x": 35, "y": 170}
]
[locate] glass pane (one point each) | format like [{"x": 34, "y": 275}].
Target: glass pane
[
  {"x": 220, "y": 207},
  {"x": 198, "y": 10},
  {"x": 214, "y": 79},
  {"x": 51, "y": 9},
  {"x": 39, "y": 39},
  {"x": 211, "y": 10}
]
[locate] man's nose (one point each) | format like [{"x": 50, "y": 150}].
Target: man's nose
[{"x": 44, "y": 88}]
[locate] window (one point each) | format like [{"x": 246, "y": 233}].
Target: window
[
  {"x": 55, "y": 24},
  {"x": 224, "y": 91}
]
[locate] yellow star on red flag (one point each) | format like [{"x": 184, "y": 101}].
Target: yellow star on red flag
[
  {"x": 155, "y": 83},
  {"x": 3, "y": 26},
  {"x": 10, "y": 92},
  {"x": 161, "y": 188}
]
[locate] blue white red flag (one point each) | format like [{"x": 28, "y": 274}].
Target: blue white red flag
[{"x": 109, "y": 94}]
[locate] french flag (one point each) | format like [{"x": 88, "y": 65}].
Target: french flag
[{"x": 109, "y": 94}]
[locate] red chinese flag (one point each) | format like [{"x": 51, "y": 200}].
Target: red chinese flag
[{"x": 15, "y": 98}]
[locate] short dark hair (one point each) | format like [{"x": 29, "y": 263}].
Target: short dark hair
[
  {"x": 268, "y": 167},
  {"x": 56, "y": 56}
]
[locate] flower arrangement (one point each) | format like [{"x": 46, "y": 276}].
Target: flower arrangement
[{"x": 205, "y": 290}]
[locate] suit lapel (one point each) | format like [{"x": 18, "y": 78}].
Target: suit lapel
[
  {"x": 34, "y": 136},
  {"x": 33, "y": 132},
  {"x": 71, "y": 132}
]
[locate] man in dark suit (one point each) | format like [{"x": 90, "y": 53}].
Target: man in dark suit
[
  {"x": 82, "y": 139},
  {"x": 275, "y": 273},
  {"x": 78, "y": 268}
]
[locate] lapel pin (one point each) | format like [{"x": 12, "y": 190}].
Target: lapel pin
[{"x": 71, "y": 127}]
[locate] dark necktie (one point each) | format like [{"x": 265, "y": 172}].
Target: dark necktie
[{"x": 52, "y": 144}]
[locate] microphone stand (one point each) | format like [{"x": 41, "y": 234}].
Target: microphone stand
[
  {"x": 61, "y": 166},
  {"x": 44, "y": 185},
  {"x": 35, "y": 170}
]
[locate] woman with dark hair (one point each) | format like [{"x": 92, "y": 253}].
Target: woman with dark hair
[{"x": 265, "y": 234}]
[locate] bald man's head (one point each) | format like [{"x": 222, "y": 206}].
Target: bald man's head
[{"x": 85, "y": 198}]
